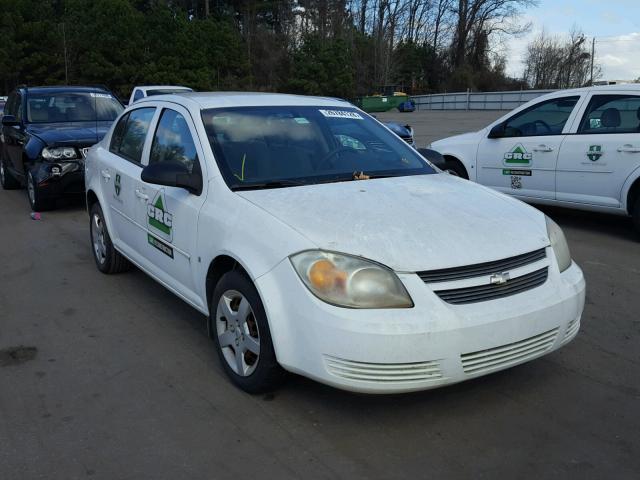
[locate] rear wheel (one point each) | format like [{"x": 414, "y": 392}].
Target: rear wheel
[
  {"x": 7, "y": 180},
  {"x": 108, "y": 259},
  {"x": 34, "y": 193},
  {"x": 242, "y": 336}
]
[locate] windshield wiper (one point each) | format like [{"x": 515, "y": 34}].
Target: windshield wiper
[{"x": 265, "y": 185}]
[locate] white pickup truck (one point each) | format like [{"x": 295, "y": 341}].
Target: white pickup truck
[{"x": 574, "y": 148}]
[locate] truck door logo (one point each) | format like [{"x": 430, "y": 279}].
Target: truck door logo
[
  {"x": 518, "y": 156},
  {"x": 160, "y": 220},
  {"x": 595, "y": 153}
]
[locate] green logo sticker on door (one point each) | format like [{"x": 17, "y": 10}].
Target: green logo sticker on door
[
  {"x": 518, "y": 156},
  {"x": 595, "y": 153},
  {"x": 117, "y": 184},
  {"x": 160, "y": 220}
]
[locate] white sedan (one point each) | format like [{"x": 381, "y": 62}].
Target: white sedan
[
  {"x": 318, "y": 242},
  {"x": 573, "y": 148}
]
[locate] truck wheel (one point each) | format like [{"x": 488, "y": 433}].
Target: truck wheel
[
  {"x": 108, "y": 259},
  {"x": 6, "y": 179},
  {"x": 38, "y": 204},
  {"x": 241, "y": 333}
]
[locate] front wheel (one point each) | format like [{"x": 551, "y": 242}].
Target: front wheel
[
  {"x": 242, "y": 336},
  {"x": 34, "y": 193},
  {"x": 108, "y": 259}
]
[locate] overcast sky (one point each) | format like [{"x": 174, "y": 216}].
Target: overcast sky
[{"x": 614, "y": 23}]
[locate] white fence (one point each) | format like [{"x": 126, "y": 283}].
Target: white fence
[{"x": 476, "y": 100}]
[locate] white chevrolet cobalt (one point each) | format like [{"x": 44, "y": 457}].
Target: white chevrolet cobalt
[
  {"x": 574, "y": 148},
  {"x": 318, "y": 242}
]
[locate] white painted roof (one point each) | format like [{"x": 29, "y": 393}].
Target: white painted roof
[{"x": 245, "y": 99}]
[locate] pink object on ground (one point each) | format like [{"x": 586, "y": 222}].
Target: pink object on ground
[{"x": 36, "y": 216}]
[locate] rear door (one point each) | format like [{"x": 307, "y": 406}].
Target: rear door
[
  {"x": 522, "y": 161},
  {"x": 171, "y": 214},
  {"x": 605, "y": 149},
  {"x": 120, "y": 175}
]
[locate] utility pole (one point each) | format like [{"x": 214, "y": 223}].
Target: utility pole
[{"x": 593, "y": 52}]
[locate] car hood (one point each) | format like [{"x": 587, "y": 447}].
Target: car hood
[
  {"x": 70, "y": 133},
  {"x": 409, "y": 223},
  {"x": 471, "y": 137}
]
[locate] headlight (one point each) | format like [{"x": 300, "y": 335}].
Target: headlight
[
  {"x": 59, "y": 153},
  {"x": 559, "y": 245},
  {"x": 348, "y": 281}
]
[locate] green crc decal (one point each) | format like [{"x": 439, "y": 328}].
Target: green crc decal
[
  {"x": 518, "y": 156},
  {"x": 160, "y": 220},
  {"x": 117, "y": 184},
  {"x": 595, "y": 152}
]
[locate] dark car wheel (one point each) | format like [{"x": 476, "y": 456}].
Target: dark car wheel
[
  {"x": 241, "y": 333},
  {"x": 108, "y": 259},
  {"x": 34, "y": 193},
  {"x": 7, "y": 180},
  {"x": 636, "y": 216}
]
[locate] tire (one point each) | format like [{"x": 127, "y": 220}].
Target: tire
[
  {"x": 454, "y": 168},
  {"x": 636, "y": 215},
  {"x": 34, "y": 194},
  {"x": 242, "y": 327},
  {"x": 107, "y": 258},
  {"x": 7, "y": 180}
]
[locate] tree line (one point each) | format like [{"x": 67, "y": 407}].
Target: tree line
[{"x": 343, "y": 48}]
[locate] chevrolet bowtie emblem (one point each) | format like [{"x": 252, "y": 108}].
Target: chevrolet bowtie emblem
[{"x": 499, "y": 278}]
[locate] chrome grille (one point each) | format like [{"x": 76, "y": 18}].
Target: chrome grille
[
  {"x": 383, "y": 372},
  {"x": 482, "y": 269},
  {"x": 483, "y": 293},
  {"x": 484, "y": 361}
]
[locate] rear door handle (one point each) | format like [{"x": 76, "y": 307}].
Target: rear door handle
[
  {"x": 542, "y": 148},
  {"x": 141, "y": 195},
  {"x": 629, "y": 149},
  {"x": 106, "y": 175}
]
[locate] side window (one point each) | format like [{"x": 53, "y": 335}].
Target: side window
[
  {"x": 612, "y": 114},
  {"x": 173, "y": 143},
  {"x": 118, "y": 132},
  {"x": 545, "y": 118},
  {"x": 138, "y": 95},
  {"x": 131, "y": 139}
]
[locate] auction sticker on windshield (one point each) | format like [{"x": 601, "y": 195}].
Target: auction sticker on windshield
[{"x": 341, "y": 114}]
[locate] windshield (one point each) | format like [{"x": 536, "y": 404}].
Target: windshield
[
  {"x": 282, "y": 146},
  {"x": 164, "y": 91},
  {"x": 72, "y": 107}
]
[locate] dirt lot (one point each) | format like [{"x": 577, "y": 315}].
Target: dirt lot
[{"x": 117, "y": 379}]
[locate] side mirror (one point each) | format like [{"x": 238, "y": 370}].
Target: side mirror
[
  {"x": 9, "y": 121},
  {"x": 498, "y": 131},
  {"x": 173, "y": 175},
  {"x": 434, "y": 157}
]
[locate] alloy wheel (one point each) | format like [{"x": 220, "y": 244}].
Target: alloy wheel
[
  {"x": 238, "y": 333},
  {"x": 98, "y": 240}
]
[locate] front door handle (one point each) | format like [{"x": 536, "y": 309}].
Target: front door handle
[
  {"x": 106, "y": 175},
  {"x": 542, "y": 148},
  {"x": 141, "y": 195},
  {"x": 628, "y": 148}
]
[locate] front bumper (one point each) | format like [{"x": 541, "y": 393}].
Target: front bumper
[
  {"x": 58, "y": 179},
  {"x": 430, "y": 345}
]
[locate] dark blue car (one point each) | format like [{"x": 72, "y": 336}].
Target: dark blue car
[{"x": 46, "y": 132}]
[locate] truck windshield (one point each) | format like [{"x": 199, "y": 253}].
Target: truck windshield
[
  {"x": 268, "y": 147},
  {"x": 72, "y": 107}
]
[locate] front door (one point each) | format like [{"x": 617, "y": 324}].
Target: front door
[
  {"x": 171, "y": 214},
  {"x": 522, "y": 160},
  {"x": 595, "y": 162}
]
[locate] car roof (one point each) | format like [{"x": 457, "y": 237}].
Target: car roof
[
  {"x": 151, "y": 87},
  {"x": 64, "y": 89},
  {"x": 204, "y": 100}
]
